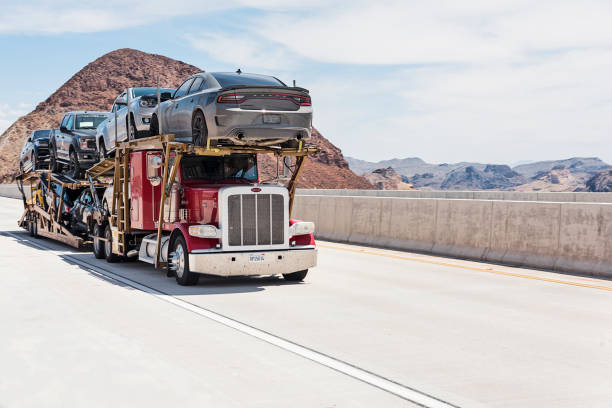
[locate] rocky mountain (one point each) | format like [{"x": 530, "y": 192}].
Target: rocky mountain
[
  {"x": 97, "y": 85},
  {"x": 387, "y": 179},
  {"x": 600, "y": 182},
  {"x": 556, "y": 175},
  {"x": 493, "y": 176},
  {"x": 575, "y": 165}
]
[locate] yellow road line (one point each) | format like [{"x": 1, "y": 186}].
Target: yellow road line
[{"x": 470, "y": 268}]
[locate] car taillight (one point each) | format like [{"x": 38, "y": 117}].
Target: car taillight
[
  {"x": 240, "y": 97},
  {"x": 230, "y": 98},
  {"x": 302, "y": 100}
]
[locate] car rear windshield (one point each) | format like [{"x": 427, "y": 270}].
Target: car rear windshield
[
  {"x": 149, "y": 91},
  {"x": 233, "y": 79},
  {"x": 41, "y": 134},
  {"x": 88, "y": 121},
  {"x": 210, "y": 168}
]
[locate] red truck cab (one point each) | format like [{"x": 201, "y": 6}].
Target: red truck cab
[{"x": 217, "y": 219}]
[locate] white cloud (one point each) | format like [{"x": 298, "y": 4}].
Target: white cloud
[
  {"x": 10, "y": 113},
  {"x": 87, "y": 16},
  {"x": 247, "y": 53}
]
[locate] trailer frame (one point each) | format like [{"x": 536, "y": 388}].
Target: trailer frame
[{"x": 47, "y": 222}]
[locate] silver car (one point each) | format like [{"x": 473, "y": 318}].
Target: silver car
[
  {"x": 143, "y": 102},
  {"x": 236, "y": 108}
]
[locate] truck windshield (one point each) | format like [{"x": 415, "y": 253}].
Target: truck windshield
[
  {"x": 88, "y": 121},
  {"x": 211, "y": 168}
]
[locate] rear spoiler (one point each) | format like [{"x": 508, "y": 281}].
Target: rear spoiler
[{"x": 290, "y": 88}]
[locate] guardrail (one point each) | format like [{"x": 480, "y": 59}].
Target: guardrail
[
  {"x": 469, "y": 195},
  {"x": 572, "y": 237}
]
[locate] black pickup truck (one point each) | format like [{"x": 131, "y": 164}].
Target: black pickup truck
[{"x": 73, "y": 145}]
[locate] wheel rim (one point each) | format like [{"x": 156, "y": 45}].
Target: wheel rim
[{"x": 178, "y": 260}]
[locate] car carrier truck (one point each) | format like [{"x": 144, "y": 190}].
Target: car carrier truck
[{"x": 201, "y": 210}]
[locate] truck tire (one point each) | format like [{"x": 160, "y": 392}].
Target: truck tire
[
  {"x": 98, "y": 245},
  {"x": 179, "y": 262},
  {"x": 108, "y": 246},
  {"x": 75, "y": 167},
  {"x": 295, "y": 276},
  {"x": 53, "y": 164},
  {"x": 34, "y": 232}
]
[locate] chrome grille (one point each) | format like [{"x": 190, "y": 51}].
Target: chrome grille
[{"x": 256, "y": 219}]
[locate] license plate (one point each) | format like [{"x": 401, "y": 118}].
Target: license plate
[
  {"x": 257, "y": 257},
  {"x": 271, "y": 119}
]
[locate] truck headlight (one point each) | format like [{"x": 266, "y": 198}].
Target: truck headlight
[
  {"x": 301, "y": 228},
  {"x": 204, "y": 231}
]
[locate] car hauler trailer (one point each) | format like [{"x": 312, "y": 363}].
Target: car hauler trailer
[
  {"x": 46, "y": 212},
  {"x": 202, "y": 210}
]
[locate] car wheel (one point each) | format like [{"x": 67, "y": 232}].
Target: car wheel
[
  {"x": 178, "y": 262},
  {"x": 53, "y": 165},
  {"x": 108, "y": 246},
  {"x": 75, "y": 167},
  {"x": 102, "y": 153},
  {"x": 131, "y": 129},
  {"x": 295, "y": 276},
  {"x": 98, "y": 244},
  {"x": 154, "y": 126},
  {"x": 199, "y": 131}
]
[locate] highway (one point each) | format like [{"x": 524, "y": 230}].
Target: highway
[{"x": 368, "y": 327}]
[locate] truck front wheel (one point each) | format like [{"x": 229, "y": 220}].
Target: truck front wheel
[
  {"x": 295, "y": 276},
  {"x": 178, "y": 262}
]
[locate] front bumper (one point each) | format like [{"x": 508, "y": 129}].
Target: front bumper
[
  {"x": 241, "y": 263},
  {"x": 87, "y": 157}
]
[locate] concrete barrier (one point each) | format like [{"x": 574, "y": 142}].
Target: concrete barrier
[
  {"x": 469, "y": 195},
  {"x": 564, "y": 236}
]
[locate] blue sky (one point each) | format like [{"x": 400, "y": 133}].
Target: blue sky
[{"x": 490, "y": 81}]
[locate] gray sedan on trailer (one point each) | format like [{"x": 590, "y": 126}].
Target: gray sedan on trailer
[{"x": 236, "y": 108}]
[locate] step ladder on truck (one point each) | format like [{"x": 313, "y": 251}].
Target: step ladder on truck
[{"x": 202, "y": 210}]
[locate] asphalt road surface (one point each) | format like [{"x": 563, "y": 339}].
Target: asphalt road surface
[{"x": 368, "y": 328}]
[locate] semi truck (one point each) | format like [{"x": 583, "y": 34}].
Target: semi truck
[{"x": 197, "y": 210}]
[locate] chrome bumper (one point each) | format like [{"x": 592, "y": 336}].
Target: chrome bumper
[{"x": 242, "y": 263}]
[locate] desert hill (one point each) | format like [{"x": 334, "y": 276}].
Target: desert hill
[{"x": 97, "y": 85}]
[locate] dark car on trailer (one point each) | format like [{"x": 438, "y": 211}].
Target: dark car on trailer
[
  {"x": 72, "y": 147},
  {"x": 35, "y": 152}
]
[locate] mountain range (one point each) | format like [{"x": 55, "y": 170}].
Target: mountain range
[
  {"x": 572, "y": 174},
  {"x": 96, "y": 86}
]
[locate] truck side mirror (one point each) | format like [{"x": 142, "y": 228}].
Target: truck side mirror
[
  {"x": 64, "y": 129},
  {"x": 164, "y": 96}
]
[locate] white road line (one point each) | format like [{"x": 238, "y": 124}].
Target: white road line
[{"x": 382, "y": 383}]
